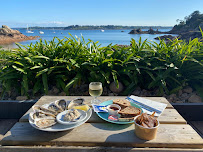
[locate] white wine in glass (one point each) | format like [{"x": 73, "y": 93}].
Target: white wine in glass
[{"x": 95, "y": 90}]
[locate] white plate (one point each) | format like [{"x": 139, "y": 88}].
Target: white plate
[
  {"x": 61, "y": 127},
  {"x": 60, "y": 117}
]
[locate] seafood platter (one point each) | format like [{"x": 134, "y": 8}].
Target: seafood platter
[{"x": 60, "y": 115}]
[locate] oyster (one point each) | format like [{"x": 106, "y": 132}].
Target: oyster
[
  {"x": 40, "y": 115},
  {"x": 76, "y": 102},
  {"x": 62, "y": 104},
  {"x": 52, "y": 106},
  {"x": 72, "y": 115},
  {"x": 44, "y": 123},
  {"x": 43, "y": 109}
]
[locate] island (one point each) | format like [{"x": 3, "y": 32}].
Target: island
[
  {"x": 8, "y": 35},
  {"x": 150, "y": 31},
  {"x": 97, "y": 27},
  {"x": 187, "y": 29}
]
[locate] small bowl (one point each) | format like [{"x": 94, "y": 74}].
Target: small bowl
[
  {"x": 60, "y": 117},
  {"x": 145, "y": 133},
  {"x": 113, "y": 109}
]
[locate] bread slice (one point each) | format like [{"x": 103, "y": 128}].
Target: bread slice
[
  {"x": 130, "y": 111},
  {"x": 122, "y": 103}
]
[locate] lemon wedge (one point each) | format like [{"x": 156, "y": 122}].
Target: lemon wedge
[{"x": 83, "y": 107}]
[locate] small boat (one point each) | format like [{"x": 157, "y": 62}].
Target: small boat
[
  {"x": 54, "y": 31},
  {"x": 28, "y": 31},
  {"x": 102, "y": 30},
  {"x": 41, "y": 32}
]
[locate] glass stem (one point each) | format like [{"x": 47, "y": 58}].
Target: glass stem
[{"x": 95, "y": 98}]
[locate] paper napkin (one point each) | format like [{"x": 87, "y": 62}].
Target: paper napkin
[{"x": 147, "y": 105}]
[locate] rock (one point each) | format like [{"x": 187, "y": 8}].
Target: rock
[
  {"x": 188, "y": 90},
  {"x": 86, "y": 93},
  {"x": 195, "y": 98},
  {"x": 84, "y": 87},
  {"x": 190, "y": 35},
  {"x": 184, "y": 96},
  {"x": 110, "y": 94},
  {"x": 62, "y": 94},
  {"x": 55, "y": 90},
  {"x": 172, "y": 96},
  {"x": 7, "y": 35},
  {"x": 137, "y": 31},
  {"x": 180, "y": 92},
  {"x": 5, "y": 30},
  {"x": 50, "y": 93},
  {"x": 166, "y": 37},
  {"x": 114, "y": 89},
  {"x": 179, "y": 101},
  {"x": 150, "y": 31},
  {"x": 144, "y": 93},
  {"x": 136, "y": 92},
  {"x": 105, "y": 91},
  {"x": 21, "y": 98}
]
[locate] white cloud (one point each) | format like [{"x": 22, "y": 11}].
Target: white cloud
[{"x": 56, "y": 22}]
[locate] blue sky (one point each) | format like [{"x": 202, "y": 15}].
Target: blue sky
[{"x": 19, "y": 13}]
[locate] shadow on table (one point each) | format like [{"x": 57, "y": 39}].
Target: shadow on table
[
  {"x": 29, "y": 135},
  {"x": 127, "y": 138},
  {"x": 110, "y": 126}
]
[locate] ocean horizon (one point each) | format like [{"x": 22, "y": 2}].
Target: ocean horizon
[{"x": 104, "y": 38}]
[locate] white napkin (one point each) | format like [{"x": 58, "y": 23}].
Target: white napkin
[{"x": 147, "y": 105}]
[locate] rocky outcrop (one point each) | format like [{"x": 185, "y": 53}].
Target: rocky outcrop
[
  {"x": 137, "y": 31},
  {"x": 166, "y": 37},
  {"x": 182, "y": 36},
  {"x": 189, "y": 28},
  {"x": 190, "y": 35},
  {"x": 150, "y": 31},
  {"x": 5, "y": 30},
  {"x": 8, "y": 35}
]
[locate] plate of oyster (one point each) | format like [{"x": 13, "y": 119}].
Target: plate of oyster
[
  {"x": 71, "y": 116},
  {"x": 44, "y": 117}
]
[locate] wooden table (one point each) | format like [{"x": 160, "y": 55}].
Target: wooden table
[{"x": 174, "y": 132}]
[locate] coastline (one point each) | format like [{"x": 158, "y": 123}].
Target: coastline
[{"x": 4, "y": 40}]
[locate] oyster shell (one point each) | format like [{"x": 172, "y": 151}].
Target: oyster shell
[
  {"x": 39, "y": 115},
  {"x": 76, "y": 102},
  {"x": 44, "y": 123},
  {"x": 43, "y": 109},
  {"x": 62, "y": 104},
  {"x": 52, "y": 106},
  {"x": 72, "y": 115}
]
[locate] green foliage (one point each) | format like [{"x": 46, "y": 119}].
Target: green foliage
[
  {"x": 191, "y": 22},
  {"x": 70, "y": 62}
]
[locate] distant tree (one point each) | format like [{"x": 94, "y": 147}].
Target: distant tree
[{"x": 192, "y": 21}]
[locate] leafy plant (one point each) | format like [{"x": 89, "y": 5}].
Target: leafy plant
[{"x": 70, "y": 62}]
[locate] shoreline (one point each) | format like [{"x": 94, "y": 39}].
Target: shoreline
[{"x": 6, "y": 40}]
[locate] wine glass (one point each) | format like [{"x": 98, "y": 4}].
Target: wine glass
[{"x": 95, "y": 90}]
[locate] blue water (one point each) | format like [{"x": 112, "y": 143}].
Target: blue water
[{"x": 105, "y": 38}]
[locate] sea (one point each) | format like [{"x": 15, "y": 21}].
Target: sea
[{"x": 120, "y": 37}]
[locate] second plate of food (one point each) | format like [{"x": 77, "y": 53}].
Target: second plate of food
[{"x": 104, "y": 115}]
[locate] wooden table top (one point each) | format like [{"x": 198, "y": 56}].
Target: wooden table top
[{"x": 173, "y": 131}]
